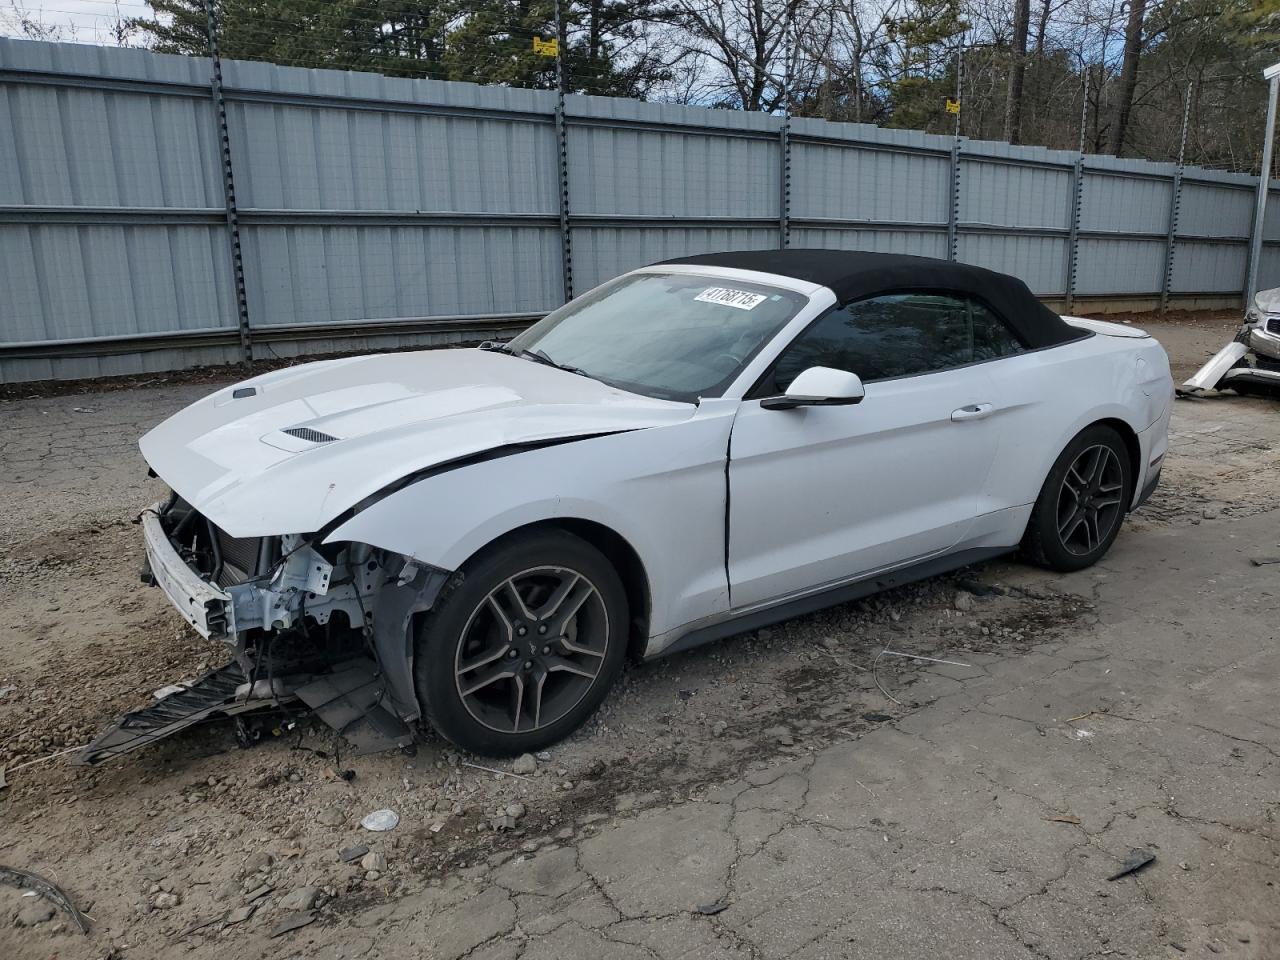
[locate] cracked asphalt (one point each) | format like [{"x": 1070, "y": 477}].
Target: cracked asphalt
[{"x": 1133, "y": 705}]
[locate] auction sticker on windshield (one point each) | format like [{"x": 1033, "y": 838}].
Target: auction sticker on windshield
[{"x": 741, "y": 299}]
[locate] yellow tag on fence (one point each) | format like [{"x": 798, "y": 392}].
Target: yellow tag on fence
[
  {"x": 546, "y": 48},
  {"x": 953, "y": 106}
]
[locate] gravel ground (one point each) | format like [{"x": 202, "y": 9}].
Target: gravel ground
[{"x": 760, "y": 797}]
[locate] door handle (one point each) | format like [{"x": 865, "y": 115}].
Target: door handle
[{"x": 974, "y": 411}]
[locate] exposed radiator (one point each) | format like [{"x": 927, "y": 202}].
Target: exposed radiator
[{"x": 239, "y": 558}]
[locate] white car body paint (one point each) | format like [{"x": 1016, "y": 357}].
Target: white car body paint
[
  {"x": 815, "y": 496},
  {"x": 794, "y": 526}
]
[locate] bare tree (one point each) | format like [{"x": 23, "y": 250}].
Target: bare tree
[
  {"x": 1017, "y": 70},
  {"x": 1128, "y": 74},
  {"x": 744, "y": 39}
]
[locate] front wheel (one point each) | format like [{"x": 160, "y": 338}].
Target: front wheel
[
  {"x": 1082, "y": 503},
  {"x": 526, "y": 646}
]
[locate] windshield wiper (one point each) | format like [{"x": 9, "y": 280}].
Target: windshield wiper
[{"x": 537, "y": 356}]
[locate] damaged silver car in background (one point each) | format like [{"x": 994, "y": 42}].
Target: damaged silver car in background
[{"x": 1258, "y": 339}]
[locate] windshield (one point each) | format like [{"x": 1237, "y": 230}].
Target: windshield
[{"x": 674, "y": 336}]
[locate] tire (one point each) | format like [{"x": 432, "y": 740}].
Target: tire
[
  {"x": 1060, "y": 536},
  {"x": 491, "y": 689}
]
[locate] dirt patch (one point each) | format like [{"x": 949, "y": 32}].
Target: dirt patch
[
  {"x": 1216, "y": 460},
  {"x": 83, "y": 641}
]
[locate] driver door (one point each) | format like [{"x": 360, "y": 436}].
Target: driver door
[{"x": 821, "y": 494}]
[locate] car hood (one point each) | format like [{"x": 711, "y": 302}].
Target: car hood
[
  {"x": 288, "y": 451},
  {"x": 1268, "y": 301}
]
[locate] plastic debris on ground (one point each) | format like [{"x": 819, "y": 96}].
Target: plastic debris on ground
[{"x": 381, "y": 820}]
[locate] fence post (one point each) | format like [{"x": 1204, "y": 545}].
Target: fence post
[
  {"x": 1174, "y": 204},
  {"x": 953, "y": 216},
  {"x": 784, "y": 145},
  {"x": 228, "y": 185},
  {"x": 562, "y": 148},
  {"x": 1073, "y": 234},
  {"x": 1171, "y": 239}
]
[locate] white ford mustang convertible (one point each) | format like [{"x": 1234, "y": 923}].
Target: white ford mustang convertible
[{"x": 477, "y": 539}]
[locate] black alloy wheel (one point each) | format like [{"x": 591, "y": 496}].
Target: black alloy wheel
[
  {"x": 1083, "y": 502},
  {"x": 524, "y": 646}
]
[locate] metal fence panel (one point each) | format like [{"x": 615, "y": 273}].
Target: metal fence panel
[
  {"x": 336, "y": 273},
  {"x": 1215, "y": 210},
  {"x": 601, "y": 253},
  {"x": 622, "y": 172},
  {"x": 1124, "y": 268},
  {"x": 1122, "y": 204},
  {"x": 917, "y": 243},
  {"x": 290, "y": 157},
  {"x": 859, "y": 182},
  {"x": 1040, "y": 261},
  {"x": 75, "y": 281},
  {"x": 1216, "y": 267},
  {"x": 1014, "y": 195}
]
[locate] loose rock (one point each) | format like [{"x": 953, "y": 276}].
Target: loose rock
[
  {"x": 304, "y": 898},
  {"x": 347, "y": 854},
  {"x": 292, "y": 922},
  {"x": 258, "y": 862},
  {"x": 524, "y": 765}
]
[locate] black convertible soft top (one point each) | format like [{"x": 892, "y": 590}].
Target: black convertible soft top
[{"x": 854, "y": 275}]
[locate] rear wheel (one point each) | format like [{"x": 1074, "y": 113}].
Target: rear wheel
[
  {"x": 1082, "y": 503},
  {"x": 526, "y": 647}
]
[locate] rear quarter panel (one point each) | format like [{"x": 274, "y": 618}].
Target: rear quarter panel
[{"x": 1045, "y": 397}]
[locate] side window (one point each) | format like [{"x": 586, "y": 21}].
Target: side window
[
  {"x": 991, "y": 338},
  {"x": 897, "y": 336}
]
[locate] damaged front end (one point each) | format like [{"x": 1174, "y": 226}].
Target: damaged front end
[{"x": 311, "y": 626}]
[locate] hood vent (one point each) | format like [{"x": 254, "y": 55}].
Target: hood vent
[{"x": 312, "y": 436}]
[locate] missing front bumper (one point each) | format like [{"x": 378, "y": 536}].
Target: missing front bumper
[{"x": 330, "y": 627}]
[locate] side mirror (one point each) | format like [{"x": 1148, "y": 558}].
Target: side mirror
[{"x": 819, "y": 387}]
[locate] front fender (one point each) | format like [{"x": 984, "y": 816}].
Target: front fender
[{"x": 662, "y": 489}]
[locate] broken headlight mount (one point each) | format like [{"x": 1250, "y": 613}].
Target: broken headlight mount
[{"x": 328, "y": 624}]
